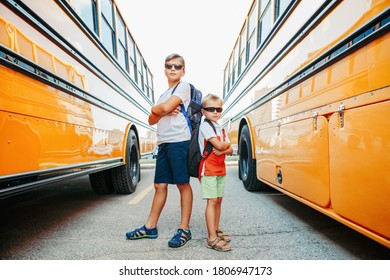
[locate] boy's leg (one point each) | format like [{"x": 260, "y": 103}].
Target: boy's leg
[
  {"x": 178, "y": 161},
  {"x": 149, "y": 230},
  {"x": 211, "y": 209},
  {"x": 162, "y": 176},
  {"x": 159, "y": 199},
  {"x": 220, "y": 194},
  {"x": 218, "y": 212},
  {"x": 209, "y": 192},
  {"x": 214, "y": 241},
  {"x": 186, "y": 198},
  {"x": 183, "y": 234}
]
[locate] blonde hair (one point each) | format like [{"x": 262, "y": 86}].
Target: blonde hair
[
  {"x": 173, "y": 56},
  {"x": 210, "y": 96}
]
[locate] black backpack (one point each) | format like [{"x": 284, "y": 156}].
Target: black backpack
[
  {"x": 194, "y": 110},
  {"x": 194, "y": 155}
]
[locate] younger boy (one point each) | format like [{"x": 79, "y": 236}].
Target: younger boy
[{"x": 214, "y": 170}]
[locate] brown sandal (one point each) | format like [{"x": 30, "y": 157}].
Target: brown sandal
[
  {"x": 218, "y": 244},
  {"x": 223, "y": 235}
]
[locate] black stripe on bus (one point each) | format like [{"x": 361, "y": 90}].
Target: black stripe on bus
[
  {"x": 14, "y": 184},
  {"x": 29, "y": 68},
  {"x": 35, "y": 21},
  {"x": 97, "y": 42},
  {"x": 321, "y": 13},
  {"x": 361, "y": 37}
]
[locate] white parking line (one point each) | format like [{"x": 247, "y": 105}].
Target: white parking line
[{"x": 139, "y": 197}]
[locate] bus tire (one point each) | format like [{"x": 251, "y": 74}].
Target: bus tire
[
  {"x": 126, "y": 177},
  {"x": 101, "y": 182},
  {"x": 246, "y": 164}
]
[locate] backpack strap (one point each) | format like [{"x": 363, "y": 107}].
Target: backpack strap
[
  {"x": 183, "y": 110},
  {"x": 175, "y": 88},
  {"x": 211, "y": 124},
  {"x": 207, "y": 150}
]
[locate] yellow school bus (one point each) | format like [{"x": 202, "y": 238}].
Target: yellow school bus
[
  {"x": 307, "y": 106},
  {"x": 74, "y": 98}
]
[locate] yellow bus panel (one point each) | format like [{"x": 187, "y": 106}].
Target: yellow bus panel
[
  {"x": 295, "y": 157},
  {"x": 57, "y": 131},
  {"x": 360, "y": 169}
]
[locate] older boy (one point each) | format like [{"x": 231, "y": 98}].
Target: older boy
[{"x": 173, "y": 138}]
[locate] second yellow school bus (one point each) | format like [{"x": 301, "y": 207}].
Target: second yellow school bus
[{"x": 307, "y": 104}]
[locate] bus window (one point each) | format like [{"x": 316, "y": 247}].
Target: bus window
[
  {"x": 235, "y": 60},
  {"x": 107, "y": 26},
  {"x": 122, "y": 50},
  {"x": 132, "y": 64},
  {"x": 280, "y": 7},
  {"x": 242, "y": 61},
  {"x": 230, "y": 83},
  {"x": 251, "y": 32},
  {"x": 150, "y": 85},
  {"x": 140, "y": 75},
  {"x": 225, "y": 81},
  {"x": 88, "y": 12},
  {"x": 265, "y": 24},
  {"x": 145, "y": 78}
]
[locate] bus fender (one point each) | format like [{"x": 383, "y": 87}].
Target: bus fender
[
  {"x": 246, "y": 121},
  {"x": 130, "y": 126}
]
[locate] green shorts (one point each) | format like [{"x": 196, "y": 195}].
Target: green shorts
[{"x": 212, "y": 186}]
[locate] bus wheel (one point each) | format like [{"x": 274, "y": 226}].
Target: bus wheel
[
  {"x": 247, "y": 165},
  {"x": 126, "y": 177},
  {"x": 101, "y": 182}
]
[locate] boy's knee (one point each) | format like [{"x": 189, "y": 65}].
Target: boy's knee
[
  {"x": 213, "y": 201},
  {"x": 184, "y": 186},
  {"x": 160, "y": 186}
]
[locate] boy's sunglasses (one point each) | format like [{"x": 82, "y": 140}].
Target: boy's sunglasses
[
  {"x": 212, "y": 109},
  {"x": 169, "y": 66}
]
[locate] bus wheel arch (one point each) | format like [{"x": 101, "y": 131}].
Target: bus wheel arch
[
  {"x": 247, "y": 167},
  {"x": 126, "y": 176}
]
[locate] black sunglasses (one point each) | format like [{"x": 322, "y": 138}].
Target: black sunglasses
[
  {"x": 212, "y": 109},
  {"x": 169, "y": 66}
]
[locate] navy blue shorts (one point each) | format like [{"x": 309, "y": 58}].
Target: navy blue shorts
[{"x": 172, "y": 163}]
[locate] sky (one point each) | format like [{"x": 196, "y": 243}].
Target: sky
[{"x": 202, "y": 31}]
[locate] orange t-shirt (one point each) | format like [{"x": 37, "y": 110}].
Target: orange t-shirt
[{"x": 214, "y": 165}]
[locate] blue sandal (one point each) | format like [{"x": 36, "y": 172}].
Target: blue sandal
[
  {"x": 180, "y": 238},
  {"x": 142, "y": 232}
]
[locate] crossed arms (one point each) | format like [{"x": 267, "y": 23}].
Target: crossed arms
[
  {"x": 171, "y": 106},
  {"x": 219, "y": 147}
]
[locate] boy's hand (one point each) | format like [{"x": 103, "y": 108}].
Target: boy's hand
[
  {"x": 175, "y": 111},
  {"x": 167, "y": 107},
  {"x": 218, "y": 152},
  {"x": 227, "y": 151}
]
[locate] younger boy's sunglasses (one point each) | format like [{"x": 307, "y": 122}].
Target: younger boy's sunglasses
[
  {"x": 169, "y": 66},
  {"x": 212, "y": 109}
]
